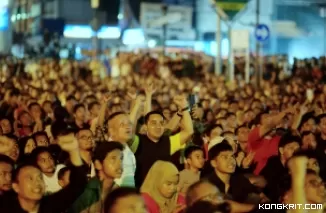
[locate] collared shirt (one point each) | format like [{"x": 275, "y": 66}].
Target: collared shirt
[{"x": 129, "y": 168}]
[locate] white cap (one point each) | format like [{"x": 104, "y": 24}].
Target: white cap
[{"x": 215, "y": 141}]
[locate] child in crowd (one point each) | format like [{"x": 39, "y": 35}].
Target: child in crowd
[
  {"x": 195, "y": 161},
  {"x": 64, "y": 177}
]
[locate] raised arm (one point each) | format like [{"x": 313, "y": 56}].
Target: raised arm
[
  {"x": 273, "y": 121},
  {"x": 149, "y": 91},
  {"x": 135, "y": 112},
  {"x": 298, "y": 166},
  {"x": 62, "y": 200},
  {"x": 187, "y": 125}
]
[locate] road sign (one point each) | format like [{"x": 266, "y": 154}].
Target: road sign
[
  {"x": 262, "y": 32},
  {"x": 231, "y": 7}
]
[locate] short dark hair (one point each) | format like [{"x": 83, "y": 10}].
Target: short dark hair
[
  {"x": 40, "y": 133},
  {"x": 113, "y": 115},
  {"x": 289, "y": 138},
  {"x": 16, "y": 172},
  {"x": 77, "y": 106},
  {"x": 320, "y": 117},
  {"x": 62, "y": 172},
  {"x": 240, "y": 127},
  {"x": 70, "y": 97},
  {"x": 305, "y": 118},
  {"x": 36, "y": 152},
  {"x": 190, "y": 149},
  {"x": 33, "y": 104},
  {"x": 211, "y": 127},
  {"x": 7, "y": 160},
  {"x": 14, "y": 92},
  {"x": 104, "y": 148},
  {"x": 148, "y": 115},
  {"x": 117, "y": 194},
  {"x": 208, "y": 207},
  {"x": 218, "y": 148},
  {"x": 192, "y": 188},
  {"x": 92, "y": 104}
]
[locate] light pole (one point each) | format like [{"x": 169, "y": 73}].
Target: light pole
[
  {"x": 258, "y": 70},
  {"x": 95, "y": 4},
  {"x": 165, "y": 12}
]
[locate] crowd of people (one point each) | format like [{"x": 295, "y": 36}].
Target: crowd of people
[{"x": 150, "y": 141}]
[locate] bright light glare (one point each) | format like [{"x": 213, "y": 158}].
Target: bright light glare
[
  {"x": 120, "y": 16},
  {"x": 109, "y": 33},
  {"x": 77, "y": 31},
  {"x": 133, "y": 37},
  {"x": 152, "y": 43}
]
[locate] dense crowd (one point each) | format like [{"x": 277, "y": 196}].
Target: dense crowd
[{"x": 149, "y": 139}]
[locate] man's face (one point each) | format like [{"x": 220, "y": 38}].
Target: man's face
[
  {"x": 5, "y": 126},
  {"x": 85, "y": 140},
  {"x": 30, "y": 146},
  {"x": 46, "y": 163},
  {"x": 26, "y": 119},
  {"x": 309, "y": 141},
  {"x": 131, "y": 203},
  {"x": 243, "y": 133},
  {"x": 95, "y": 110},
  {"x": 42, "y": 140},
  {"x": 112, "y": 164},
  {"x": 155, "y": 126},
  {"x": 206, "y": 192},
  {"x": 120, "y": 128},
  {"x": 30, "y": 184},
  {"x": 80, "y": 114},
  {"x": 13, "y": 153},
  {"x": 197, "y": 159},
  {"x": 215, "y": 133},
  {"x": 232, "y": 121},
  {"x": 315, "y": 189},
  {"x": 313, "y": 165},
  {"x": 225, "y": 162},
  {"x": 309, "y": 126},
  {"x": 5, "y": 176},
  {"x": 36, "y": 111},
  {"x": 288, "y": 150},
  {"x": 322, "y": 126}
]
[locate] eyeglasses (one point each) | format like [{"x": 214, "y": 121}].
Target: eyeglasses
[{"x": 86, "y": 138}]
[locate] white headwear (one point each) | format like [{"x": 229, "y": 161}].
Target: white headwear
[{"x": 215, "y": 141}]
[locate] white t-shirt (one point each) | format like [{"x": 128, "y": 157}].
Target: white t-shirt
[
  {"x": 51, "y": 183},
  {"x": 129, "y": 168}
]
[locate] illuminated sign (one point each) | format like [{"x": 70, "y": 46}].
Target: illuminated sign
[
  {"x": 4, "y": 18},
  {"x": 133, "y": 36},
  {"x": 85, "y": 31}
]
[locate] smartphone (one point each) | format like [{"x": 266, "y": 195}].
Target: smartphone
[
  {"x": 310, "y": 95},
  {"x": 192, "y": 100}
]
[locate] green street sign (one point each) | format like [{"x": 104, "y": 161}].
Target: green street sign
[{"x": 231, "y": 7}]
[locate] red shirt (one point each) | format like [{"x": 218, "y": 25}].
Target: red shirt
[{"x": 263, "y": 147}]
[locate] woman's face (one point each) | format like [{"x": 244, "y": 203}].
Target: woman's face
[
  {"x": 30, "y": 146},
  {"x": 169, "y": 186}
]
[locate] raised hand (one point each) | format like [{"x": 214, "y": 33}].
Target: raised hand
[
  {"x": 298, "y": 165},
  {"x": 180, "y": 101},
  {"x": 150, "y": 89},
  {"x": 132, "y": 95},
  {"x": 247, "y": 161},
  {"x": 68, "y": 143}
]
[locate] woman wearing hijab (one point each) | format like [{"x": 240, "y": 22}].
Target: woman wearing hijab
[{"x": 159, "y": 189}]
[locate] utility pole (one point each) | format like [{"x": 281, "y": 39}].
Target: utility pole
[
  {"x": 165, "y": 26},
  {"x": 257, "y": 64}
]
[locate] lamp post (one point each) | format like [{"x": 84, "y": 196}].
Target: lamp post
[
  {"x": 165, "y": 25},
  {"x": 95, "y": 25}
]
